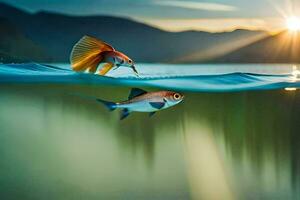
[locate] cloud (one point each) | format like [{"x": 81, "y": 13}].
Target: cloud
[
  {"x": 196, "y": 5},
  {"x": 216, "y": 24}
]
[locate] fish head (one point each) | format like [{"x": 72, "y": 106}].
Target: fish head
[
  {"x": 129, "y": 63},
  {"x": 173, "y": 98},
  {"x": 125, "y": 61}
]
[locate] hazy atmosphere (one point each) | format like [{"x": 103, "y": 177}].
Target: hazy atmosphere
[{"x": 174, "y": 15}]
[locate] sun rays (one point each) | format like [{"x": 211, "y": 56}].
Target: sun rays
[{"x": 293, "y": 23}]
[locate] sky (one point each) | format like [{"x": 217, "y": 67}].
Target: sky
[{"x": 179, "y": 15}]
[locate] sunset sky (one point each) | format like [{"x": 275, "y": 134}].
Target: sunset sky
[{"x": 177, "y": 15}]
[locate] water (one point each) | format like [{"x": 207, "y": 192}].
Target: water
[
  {"x": 233, "y": 145},
  {"x": 195, "y": 78}
]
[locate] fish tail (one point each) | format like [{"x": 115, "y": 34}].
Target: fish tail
[
  {"x": 110, "y": 105},
  {"x": 87, "y": 54}
]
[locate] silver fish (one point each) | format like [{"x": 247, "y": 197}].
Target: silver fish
[{"x": 141, "y": 101}]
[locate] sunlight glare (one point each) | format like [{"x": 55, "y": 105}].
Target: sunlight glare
[
  {"x": 293, "y": 23},
  {"x": 290, "y": 89}
]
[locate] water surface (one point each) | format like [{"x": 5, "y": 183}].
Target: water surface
[{"x": 193, "y": 78}]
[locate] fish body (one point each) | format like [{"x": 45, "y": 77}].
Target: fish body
[
  {"x": 142, "y": 101},
  {"x": 88, "y": 53}
]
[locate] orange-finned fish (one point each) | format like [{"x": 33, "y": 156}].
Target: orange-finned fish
[
  {"x": 141, "y": 101},
  {"x": 89, "y": 52}
]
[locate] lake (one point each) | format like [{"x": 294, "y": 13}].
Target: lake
[{"x": 239, "y": 140}]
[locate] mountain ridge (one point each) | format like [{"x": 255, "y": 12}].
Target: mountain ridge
[
  {"x": 56, "y": 33},
  {"x": 283, "y": 47}
]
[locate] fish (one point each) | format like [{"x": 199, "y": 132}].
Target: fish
[
  {"x": 140, "y": 100},
  {"x": 88, "y": 53}
]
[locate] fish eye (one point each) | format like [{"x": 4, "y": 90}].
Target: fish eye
[
  {"x": 130, "y": 61},
  {"x": 176, "y": 96}
]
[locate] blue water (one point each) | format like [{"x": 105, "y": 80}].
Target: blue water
[
  {"x": 195, "y": 78},
  {"x": 226, "y": 145}
]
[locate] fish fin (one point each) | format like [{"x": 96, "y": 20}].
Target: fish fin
[
  {"x": 136, "y": 92},
  {"x": 86, "y": 53},
  {"x": 93, "y": 69},
  {"x": 106, "y": 68},
  {"x": 157, "y": 105},
  {"x": 110, "y": 105},
  {"x": 151, "y": 114},
  {"x": 124, "y": 113},
  {"x": 117, "y": 66}
]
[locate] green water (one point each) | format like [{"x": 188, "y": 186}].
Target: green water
[{"x": 54, "y": 145}]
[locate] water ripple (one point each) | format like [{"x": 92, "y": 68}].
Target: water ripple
[{"x": 38, "y": 73}]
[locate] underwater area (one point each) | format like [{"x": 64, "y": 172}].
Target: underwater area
[{"x": 235, "y": 135}]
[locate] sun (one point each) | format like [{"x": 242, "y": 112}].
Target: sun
[{"x": 293, "y": 23}]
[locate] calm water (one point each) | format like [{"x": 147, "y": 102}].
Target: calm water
[
  {"x": 54, "y": 145},
  {"x": 192, "y": 78}
]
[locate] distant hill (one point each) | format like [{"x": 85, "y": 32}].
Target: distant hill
[
  {"x": 57, "y": 33},
  {"x": 283, "y": 47},
  {"x": 14, "y": 46}
]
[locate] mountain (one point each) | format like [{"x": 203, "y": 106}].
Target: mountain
[
  {"x": 57, "y": 33},
  {"x": 283, "y": 47},
  {"x": 15, "y": 46}
]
